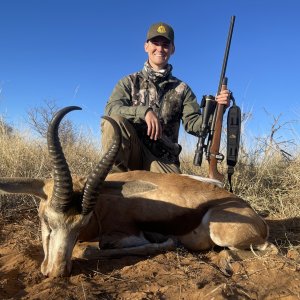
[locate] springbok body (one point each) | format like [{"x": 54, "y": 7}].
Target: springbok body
[
  {"x": 200, "y": 215},
  {"x": 132, "y": 210}
]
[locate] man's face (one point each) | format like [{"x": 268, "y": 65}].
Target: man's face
[{"x": 159, "y": 50}]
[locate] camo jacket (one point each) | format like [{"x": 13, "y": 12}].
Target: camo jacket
[{"x": 171, "y": 99}]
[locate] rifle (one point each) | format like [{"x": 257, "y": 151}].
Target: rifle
[{"x": 211, "y": 128}]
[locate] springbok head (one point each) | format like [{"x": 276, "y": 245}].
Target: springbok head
[{"x": 65, "y": 206}]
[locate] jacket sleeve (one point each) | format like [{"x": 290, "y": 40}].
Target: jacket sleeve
[
  {"x": 120, "y": 103},
  {"x": 191, "y": 113}
]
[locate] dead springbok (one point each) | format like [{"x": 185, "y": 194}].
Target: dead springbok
[{"x": 131, "y": 212}]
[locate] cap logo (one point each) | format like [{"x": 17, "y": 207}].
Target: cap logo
[{"x": 161, "y": 29}]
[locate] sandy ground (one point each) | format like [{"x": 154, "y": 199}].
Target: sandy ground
[{"x": 173, "y": 275}]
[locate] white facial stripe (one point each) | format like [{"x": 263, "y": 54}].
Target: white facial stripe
[{"x": 59, "y": 241}]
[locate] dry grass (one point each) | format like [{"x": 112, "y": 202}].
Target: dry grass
[
  {"x": 22, "y": 155},
  {"x": 263, "y": 176},
  {"x": 272, "y": 184}
]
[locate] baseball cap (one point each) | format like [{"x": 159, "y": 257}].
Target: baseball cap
[{"x": 161, "y": 29}]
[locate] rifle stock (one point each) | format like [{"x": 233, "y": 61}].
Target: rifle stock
[{"x": 214, "y": 150}]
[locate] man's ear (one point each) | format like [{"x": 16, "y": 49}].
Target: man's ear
[
  {"x": 146, "y": 45},
  {"x": 173, "y": 49}
]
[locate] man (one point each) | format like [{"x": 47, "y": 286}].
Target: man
[{"x": 149, "y": 105}]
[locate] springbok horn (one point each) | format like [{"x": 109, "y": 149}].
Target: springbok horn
[
  {"x": 95, "y": 179},
  {"x": 63, "y": 186}
]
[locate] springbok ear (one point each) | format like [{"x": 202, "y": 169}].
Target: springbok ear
[{"x": 23, "y": 186}]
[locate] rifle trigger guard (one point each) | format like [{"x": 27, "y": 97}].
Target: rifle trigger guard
[{"x": 219, "y": 157}]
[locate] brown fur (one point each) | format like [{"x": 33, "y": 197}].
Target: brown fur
[{"x": 135, "y": 208}]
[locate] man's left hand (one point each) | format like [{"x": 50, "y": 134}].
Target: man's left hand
[{"x": 223, "y": 97}]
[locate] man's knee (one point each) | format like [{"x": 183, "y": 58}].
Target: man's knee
[
  {"x": 117, "y": 118},
  {"x": 130, "y": 151},
  {"x": 124, "y": 124}
]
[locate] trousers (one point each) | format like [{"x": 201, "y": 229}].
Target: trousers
[{"x": 133, "y": 154}]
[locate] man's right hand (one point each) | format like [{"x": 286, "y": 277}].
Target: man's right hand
[{"x": 154, "y": 129}]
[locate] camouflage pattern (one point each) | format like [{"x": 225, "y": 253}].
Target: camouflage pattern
[
  {"x": 170, "y": 98},
  {"x": 133, "y": 153}
]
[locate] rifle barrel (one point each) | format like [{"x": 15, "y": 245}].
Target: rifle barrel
[{"x": 228, "y": 43}]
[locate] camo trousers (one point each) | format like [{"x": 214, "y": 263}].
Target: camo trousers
[{"x": 133, "y": 154}]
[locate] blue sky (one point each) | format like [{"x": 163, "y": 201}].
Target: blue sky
[{"x": 74, "y": 52}]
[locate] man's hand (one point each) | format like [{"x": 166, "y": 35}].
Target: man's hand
[
  {"x": 224, "y": 97},
  {"x": 154, "y": 129}
]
